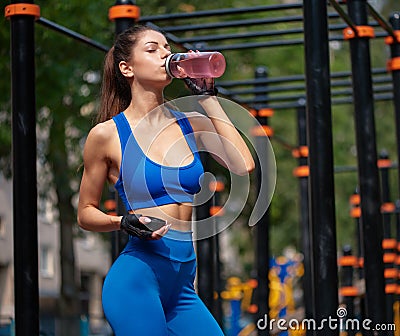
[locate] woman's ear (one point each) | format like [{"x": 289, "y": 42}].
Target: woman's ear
[{"x": 126, "y": 69}]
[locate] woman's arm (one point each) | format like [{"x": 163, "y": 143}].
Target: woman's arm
[
  {"x": 96, "y": 167},
  {"x": 222, "y": 140},
  {"x": 95, "y": 160}
]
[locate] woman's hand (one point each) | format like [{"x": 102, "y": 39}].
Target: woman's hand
[
  {"x": 144, "y": 227},
  {"x": 201, "y": 86}
]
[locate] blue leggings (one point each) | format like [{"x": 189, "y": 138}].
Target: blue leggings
[{"x": 149, "y": 290}]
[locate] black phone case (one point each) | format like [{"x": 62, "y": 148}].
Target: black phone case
[{"x": 155, "y": 224}]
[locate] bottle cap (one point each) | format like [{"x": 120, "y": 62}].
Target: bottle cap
[{"x": 167, "y": 65}]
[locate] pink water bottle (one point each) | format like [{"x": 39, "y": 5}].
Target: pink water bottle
[{"x": 196, "y": 65}]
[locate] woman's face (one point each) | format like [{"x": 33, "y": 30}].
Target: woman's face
[{"x": 148, "y": 57}]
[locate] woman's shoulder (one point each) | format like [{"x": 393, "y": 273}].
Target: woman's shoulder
[{"x": 102, "y": 132}]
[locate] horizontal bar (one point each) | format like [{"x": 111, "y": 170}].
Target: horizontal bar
[
  {"x": 269, "y": 33},
  {"x": 292, "y": 78},
  {"x": 296, "y": 97},
  {"x": 252, "y": 45},
  {"x": 210, "y": 38},
  {"x": 70, "y": 33},
  {"x": 382, "y": 22},
  {"x": 217, "y": 12},
  {"x": 344, "y": 16},
  {"x": 295, "y": 104},
  {"x": 300, "y": 87},
  {"x": 350, "y": 169},
  {"x": 269, "y": 44},
  {"x": 237, "y": 23},
  {"x": 230, "y": 24}
]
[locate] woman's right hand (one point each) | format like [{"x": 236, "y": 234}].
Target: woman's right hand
[{"x": 143, "y": 227}]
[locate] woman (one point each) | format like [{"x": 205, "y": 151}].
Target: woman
[{"x": 150, "y": 154}]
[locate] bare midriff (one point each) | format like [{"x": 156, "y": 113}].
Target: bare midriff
[{"x": 177, "y": 214}]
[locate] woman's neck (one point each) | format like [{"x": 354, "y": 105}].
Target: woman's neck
[{"x": 143, "y": 102}]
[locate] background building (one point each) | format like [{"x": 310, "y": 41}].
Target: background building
[{"x": 93, "y": 259}]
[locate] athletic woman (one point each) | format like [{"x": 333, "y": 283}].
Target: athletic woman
[{"x": 150, "y": 153}]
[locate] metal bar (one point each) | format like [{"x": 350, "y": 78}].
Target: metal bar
[
  {"x": 344, "y": 16},
  {"x": 118, "y": 239},
  {"x": 230, "y": 24},
  {"x": 395, "y": 52},
  {"x": 238, "y": 23},
  {"x": 277, "y": 43},
  {"x": 368, "y": 171},
  {"x": 253, "y": 45},
  {"x": 300, "y": 87},
  {"x": 205, "y": 249},
  {"x": 359, "y": 234},
  {"x": 26, "y": 286},
  {"x": 387, "y": 234},
  {"x": 340, "y": 37},
  {"x": 397, "y": 210},
  {"x": 123, "y": 23},
  {"x": 70, "y": 33},
  {"x": 335, "y": 102},
  {"x": 295, "y": 104},
  {"x": 322, "y": 199},
  {"x": 262, "y": 228},
  {"x": 293, "y": 78},
  {"x": 347, "y": 281},
  {"x": 295, "y": 97},
  {"x": 218, "y": 283},
  {"x": 223, "y": 37},
  {"x": 218, "y": 12},
  {"x": 280, "y": 33},
  {"x": 305, "y": 227},
  {"x": 382, "y": 22},
  {"x": 350, "y": 100}
]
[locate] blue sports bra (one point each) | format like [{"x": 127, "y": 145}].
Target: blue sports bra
[{"x": 143, "y": 183}]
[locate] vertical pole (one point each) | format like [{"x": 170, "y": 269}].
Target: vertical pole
[
  {"x": 307, "y": 250},
  {"x": 215, "y": 210},
  {"x": 347, "y": 291},
  {"x": 322, "y": 200},
  {"x": 367, "y": 167},
  {"x": 262, "y": 227},
  {"x": 24, "y": 174},
  {"x": 397, "y": 304},
  {"x": 111, "y": 207},
  {"x": 123, "y": 18},
  {"x": 123, "y": 22},
  {"x": 355, "y": 213},
  {"x": 205, "y": 249},
  {"x": 395, "y": 53},
  {"x": 389, "y": 244}
]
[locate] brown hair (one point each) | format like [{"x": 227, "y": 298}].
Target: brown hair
[{"x": 115, "y": 90}]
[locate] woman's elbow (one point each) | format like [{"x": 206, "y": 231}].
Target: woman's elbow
[
  {"x": 246, "y": 168},
  {"x": 250, "y": 166},
  {"x": 80, "y": 219}
]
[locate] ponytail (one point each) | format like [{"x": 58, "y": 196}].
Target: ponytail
[{"x": 115, "y": 89}]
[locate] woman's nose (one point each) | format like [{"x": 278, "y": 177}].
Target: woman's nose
[{"x": 166, "y": 53}]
